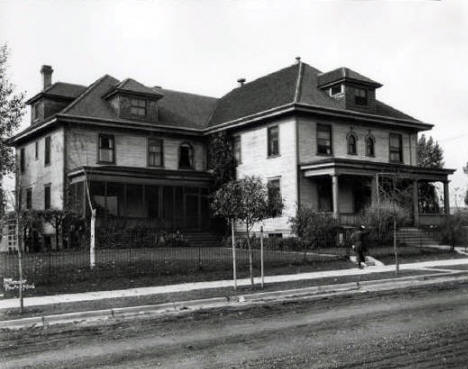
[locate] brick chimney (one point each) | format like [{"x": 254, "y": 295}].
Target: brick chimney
[{"x": 46, "y": 72}]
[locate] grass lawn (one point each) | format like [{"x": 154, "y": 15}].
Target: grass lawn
[{"x": 199, "y": 294}]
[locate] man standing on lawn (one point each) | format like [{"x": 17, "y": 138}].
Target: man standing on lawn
[{"x": 358, "y": 238}]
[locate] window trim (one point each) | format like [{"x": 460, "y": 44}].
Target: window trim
[
  {"x": 352, "y": 135},
  {"x": 47, "y": 150},
  {"x": 269, "y": 153},
  {"x": 49, "y": 187},
  {"x": 317, "y": 139},
  {"x": 191, "y": 156},
  {"x": 22, "y": 160},
  {"x": 161, "y": 141},
  {"x": 274, "y": 179},
  {"x": 108, "y": 135},
  {"x": 400, "y": 136},
  {"x": 372, "y": 138},
  {"x": 237, "y": 138},
  {"x": 28, "y": 203}
]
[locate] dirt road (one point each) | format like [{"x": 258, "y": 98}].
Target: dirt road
[{"x": 412, "y": 329}]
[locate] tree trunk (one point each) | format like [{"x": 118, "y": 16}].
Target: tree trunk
[
  {"x": 233, "y": 240},
  {"x": 250, "y": 255}
]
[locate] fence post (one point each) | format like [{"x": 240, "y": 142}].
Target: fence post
[{"x": 261, "y": 255}]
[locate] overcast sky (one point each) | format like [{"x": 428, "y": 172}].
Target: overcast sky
[{"x": 417, "y": 49}]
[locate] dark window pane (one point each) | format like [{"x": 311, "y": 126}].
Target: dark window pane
[
  {"x": 352, "y": 149},
  {"x": 185, "y": 156},
  {"x": 155, "y": 152},
  {"x": 47, "y": 197},
  {"x": 370, "y": 151},
  {"x": 47, "y": 150},
  {"x": 22, "y": 160},
  {"x": 115, "y": 198},
  {"x": 273, "y": 141},
  {"x": 396, "y": 149}
]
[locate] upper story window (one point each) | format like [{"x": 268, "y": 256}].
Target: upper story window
[
  {"x": 236, "y": 148},
  {"x": 396, "y": 148},
  {"x": 36, "y": 150},
  {"x": 47, "y": 150},
  {"x": 274, "y": 192},
  {"x": 324, "y": 139},
  {"x": 138, "y": 107},
  {"x": 273, "y": 140},
  {"x": 352, "y": 144},
  {"x": 29, "y": 198},
  {"x": 22, "y": 160},
  {"x": 185, "y": 156},
  {"x": 370, "y": 145},
  {"x": 47, "y": 196},
  {"x": 360, "y": 96},
  {"x": 106, "y": 150},
  {"x": 335, "y": 90},
  {"x": 155, "y": 152}
]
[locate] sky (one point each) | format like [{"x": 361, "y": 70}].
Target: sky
[{"x": 417, "y": 49}]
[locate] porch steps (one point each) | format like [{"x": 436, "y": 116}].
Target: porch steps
[
  {"x": 202, "y": 239},
  {"x": 413, "y": 236}
]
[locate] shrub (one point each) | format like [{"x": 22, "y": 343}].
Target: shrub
[
  {"x": 314, "y": 229},
  {"x": 452, "y": 230},
  {"x": 379, "y": 219}
]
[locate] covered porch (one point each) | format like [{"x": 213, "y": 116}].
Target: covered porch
[
  {"x": 346, "y": 187},
  {"x": 166, "y": 199}
]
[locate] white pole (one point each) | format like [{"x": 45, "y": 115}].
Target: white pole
[
  {"x": 92, "y": 251},
  {"x": 234, "y": 273},
  {"x": 261, "y": 255}
]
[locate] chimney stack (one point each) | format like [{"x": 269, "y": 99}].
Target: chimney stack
[
  {"x": 241, "y": 81},
  {"x": 298, "y": 59},
  {"x": 46, "y": 72}
]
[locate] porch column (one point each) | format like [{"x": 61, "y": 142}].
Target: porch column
[
  {"x": 335, "y": 193},
  {"x": 446, "y": 198},
  {"x": 415, "y": 202}
]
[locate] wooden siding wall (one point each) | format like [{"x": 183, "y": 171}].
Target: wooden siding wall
[{"x": 130, "y": 149}]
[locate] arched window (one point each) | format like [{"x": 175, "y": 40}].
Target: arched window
[
  {"x": 370, "y": 145},
  {"x": 352, "y": 144},
  {"x": 185, "y": 156}
]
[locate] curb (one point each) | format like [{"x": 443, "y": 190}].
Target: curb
[{"x": 175, "y": 308}]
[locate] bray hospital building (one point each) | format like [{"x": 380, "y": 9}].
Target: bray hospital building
[{"x": 319, "y": 137}]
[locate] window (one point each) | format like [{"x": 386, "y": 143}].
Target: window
[
  {"x": 360, "y": 96},
  {"x": 138, "y": 107},
  {"x": 47, "y": 196},
  {"x": 335, "y": 90},
  {"x": 274, "y": 195},
  {"x": 185, "y": 156},
  {"x": 370, "y": 146},
  {"x": 47, "y": 151},
  {"x": 22, "y": 160},
  {"x": 29, "y": 198},
  {"x": 352, "y": 144},
  {"x": 36, "y": 112},
  {"x": 324, "y": 139},
  {"x": 273, "y": 141},
  {"x": 36, "y": 150},
  {"x": 396, "y": 149},
  {"x": 155, "y": 152},
  {"x": 236, "y": 148},
  {"x": 106, "y": 150}
]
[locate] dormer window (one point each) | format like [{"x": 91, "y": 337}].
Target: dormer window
[
  {"x": 138, "y": 107},
  {"x": 335, "y": 90},
  {"x": 36, "y": 111},
  {"x": 360, "y": 96}
]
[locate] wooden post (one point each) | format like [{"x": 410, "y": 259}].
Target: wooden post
[
  {"x": 233, "y": 241},
  {"x": 415, "y": 203},
  {"x": 446, "y": 198},
  {"x": 261, "y": 256},
  {"x": 335, "y": 191},
  {"x": 92, "y": 249}
]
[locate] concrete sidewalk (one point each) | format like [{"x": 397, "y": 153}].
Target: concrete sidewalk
[{"x": 184, "y": 287}]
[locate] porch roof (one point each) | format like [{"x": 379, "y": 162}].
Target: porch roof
[
  {"x": 339, "y": 166},
  {"x": 123, "y": 174}
]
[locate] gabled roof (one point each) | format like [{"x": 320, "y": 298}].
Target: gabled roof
[{"x": 59, "y": 89}]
